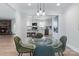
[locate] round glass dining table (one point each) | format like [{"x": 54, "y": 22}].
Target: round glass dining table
[{"x": 42, "y": 42}]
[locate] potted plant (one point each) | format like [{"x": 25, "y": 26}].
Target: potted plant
[{"x": 39, "y": 35}]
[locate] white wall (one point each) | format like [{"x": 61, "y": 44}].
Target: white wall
[
  {"x": 17, "y": 24},
  {"x": 61, "y": 26},
  {"x": 12, "y": 25},
  {"x": 72, "y": 26},
  {"x": 20, "y": 26}
]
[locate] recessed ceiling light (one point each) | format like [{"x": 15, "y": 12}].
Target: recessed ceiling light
[
  {"x": 58, "y": 4},
  {"x": 29, "y": 4}
]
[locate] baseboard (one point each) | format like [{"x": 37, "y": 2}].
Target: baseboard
[{"x": 73, "y": 48}]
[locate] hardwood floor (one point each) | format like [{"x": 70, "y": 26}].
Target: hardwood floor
[{"x": 7, "y": 47}]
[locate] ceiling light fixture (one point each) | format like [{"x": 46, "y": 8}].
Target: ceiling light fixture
[
  {"x": 58, "y": 4},
  {"x": 40, "y": 10}
]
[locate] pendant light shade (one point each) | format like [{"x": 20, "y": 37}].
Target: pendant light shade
[{"x": 41, "y": 10}]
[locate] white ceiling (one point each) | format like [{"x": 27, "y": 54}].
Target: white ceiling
[
  {"x": 49, "y": 7},
  {"x": 7, "y": 10}
]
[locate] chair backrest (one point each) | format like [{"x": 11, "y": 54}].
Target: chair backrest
[
  {"x": 44, "y": 51},
  {"x": 63, "y": 39},
  {"x": 17, "y": 40}
]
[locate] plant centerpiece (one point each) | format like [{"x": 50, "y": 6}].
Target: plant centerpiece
[{"x": 39, "y": 35}]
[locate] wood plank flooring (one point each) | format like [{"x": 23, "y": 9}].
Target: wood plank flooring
[{"x": 7, "y": 47}]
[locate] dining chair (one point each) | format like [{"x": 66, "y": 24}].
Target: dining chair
[
  {"x": 20, "y": 49},
  {"x": 62, "y": 47},
  {"x": 44, "y": 51}
]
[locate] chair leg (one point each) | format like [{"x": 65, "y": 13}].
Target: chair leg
[
  {"x": 59, "y": 53},
  {"x": 19, "y": 54},
  {"x": 62, "y": 53},
  {"x": 30, "y": 53}
]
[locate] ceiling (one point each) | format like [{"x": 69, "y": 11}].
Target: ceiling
[
  {"x": 7, "y": 10},
  {"x": 49, "y": 7}
]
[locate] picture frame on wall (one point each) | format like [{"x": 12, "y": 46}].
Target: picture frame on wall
[
  {"x": 34, "y": 24},
  {"x": 34, "y": 28}
]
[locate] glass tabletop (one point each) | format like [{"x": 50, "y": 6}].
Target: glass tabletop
[
  {"x": 48, "y": 42},
  {"x": 42, "y": 42}
]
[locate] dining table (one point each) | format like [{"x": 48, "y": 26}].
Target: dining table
[
  {"x": 44, "y": 43},
  {"x": 34, "y": 42}
]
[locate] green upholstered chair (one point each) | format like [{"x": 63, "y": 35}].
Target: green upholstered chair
[
  {"x": 62, "y": 47},
  {"x": 20, "y": 49}
]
